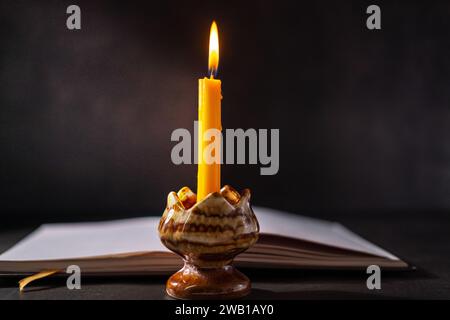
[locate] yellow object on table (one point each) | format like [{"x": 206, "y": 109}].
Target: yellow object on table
[{"x": 209, "y": 114}]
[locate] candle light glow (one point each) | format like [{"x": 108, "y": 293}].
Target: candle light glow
[{"x": 213, "y": 61}]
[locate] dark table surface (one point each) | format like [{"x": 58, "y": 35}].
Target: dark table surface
[{"x": 420, "y": 238}]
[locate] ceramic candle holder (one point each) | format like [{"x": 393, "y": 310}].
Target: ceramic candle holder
[{"x": 208, "y": 235}]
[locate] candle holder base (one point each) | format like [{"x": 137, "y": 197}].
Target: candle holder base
[
  {"x": 216, "y": 283},
  {"x": 208, "y": 235}
]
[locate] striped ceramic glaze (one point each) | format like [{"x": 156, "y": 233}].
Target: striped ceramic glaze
[{"x": 210, "y": 233}]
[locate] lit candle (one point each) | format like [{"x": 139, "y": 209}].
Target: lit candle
[{"x": 209, "y": 117}]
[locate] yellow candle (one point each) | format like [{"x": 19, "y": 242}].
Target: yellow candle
[{"x": 209, "y": 117}]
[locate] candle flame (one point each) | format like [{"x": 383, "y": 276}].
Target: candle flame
[{"x": 213, "y": 61}]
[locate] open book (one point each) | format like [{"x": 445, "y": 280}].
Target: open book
[{"x": 132, "y": 247}]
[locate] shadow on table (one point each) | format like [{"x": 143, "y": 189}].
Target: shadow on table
[
  {"x": 268, "y": 284},
  {"x": 259, "y": 294},
  {"x": 289, "y": 275}
]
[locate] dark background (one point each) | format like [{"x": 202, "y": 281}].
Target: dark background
[{"x": 86, "y": 116}]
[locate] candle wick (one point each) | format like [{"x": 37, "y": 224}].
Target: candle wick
[{"x": 212, "y": 72}]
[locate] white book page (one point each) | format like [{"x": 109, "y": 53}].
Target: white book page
[
  {"x": 90, "y": 239},
  {"x": 93, "y": 239},
  {"x": 315, "y": 230}
]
